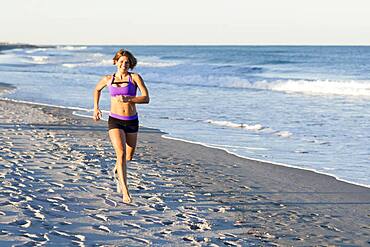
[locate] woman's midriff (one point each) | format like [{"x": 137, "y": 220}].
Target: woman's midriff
[{"x": 122, "y": 108}]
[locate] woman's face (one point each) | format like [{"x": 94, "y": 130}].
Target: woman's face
[{"x": 123, "y": 63}]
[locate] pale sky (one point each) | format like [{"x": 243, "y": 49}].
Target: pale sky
[{"x": 257, "y": 22}]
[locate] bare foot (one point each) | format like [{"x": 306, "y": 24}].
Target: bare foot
[{"x": 127, "y": 199}]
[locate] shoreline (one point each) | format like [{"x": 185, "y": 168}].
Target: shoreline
[
  {"x": 266, "y": 161},
  {"x": 167, "y": 136},
  {"x": 57, "y": 187}
]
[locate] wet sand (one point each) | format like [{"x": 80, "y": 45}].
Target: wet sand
[{"x": 57, "y": 187}]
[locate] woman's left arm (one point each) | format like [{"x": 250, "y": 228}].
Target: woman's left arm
[{"x": 144, "y": 98}]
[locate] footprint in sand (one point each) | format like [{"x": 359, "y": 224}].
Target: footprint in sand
[
  {"x": 141, "y": 240},
  {"x": 330, "y": 227},
  {"x": 104, "y": 188},
  {"x": 65, "y": 223},
  {"x": 22, "y": 223},
  {"x": 132, "y": 225},
  {"x": 154, "y": 198},
  {"x": 76, "y": 237},
  {"x": 189, "y": 239},
  {"x": 221, "y": 209},
  {"x": 167, "y": 222},
  {"x": 152, "y": 220},
  {"x": 159, "y": 207},
  {"x": 61, "y": 207},
  {"x": 39, "y": 238},
  {"x": 55, "y": 199},
  {"x": 4, "y": 233},
  {"x": 232, "y": 243},
  {"x": 70, "y": 174},
  {"x": 44, "y": 190},
  {"x": 81, "y": 188},
  {"x": 110, "y": 202},
  {"x": 37, "y": 213},
  {"x": 199, "y": 226},
  {"x": 57, "y": 184},
  {"x": 100, "y": 217},
  {"x": 102, "y": 228},
  {"x": 165, "y": 232},
  {"x": 71, "y": 180}
]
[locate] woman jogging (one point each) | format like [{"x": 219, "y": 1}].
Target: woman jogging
[{"x": 123, "y": 122}]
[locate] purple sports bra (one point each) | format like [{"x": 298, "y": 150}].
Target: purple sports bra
[{"x": 129, "y": 90}]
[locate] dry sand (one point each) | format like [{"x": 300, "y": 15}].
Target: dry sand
[{"x": 57, "y": 189}]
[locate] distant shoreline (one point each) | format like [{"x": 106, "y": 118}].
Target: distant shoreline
[
  {"x": 10, "y": 46},
  {"x": 6, "y": 46}
]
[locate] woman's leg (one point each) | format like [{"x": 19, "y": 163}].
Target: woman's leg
[
  {"x": 131, "y": 139},
  {"x": 117, "y": 138}
]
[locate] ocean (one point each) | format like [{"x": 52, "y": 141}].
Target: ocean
[{"x": 301, "y": 106}]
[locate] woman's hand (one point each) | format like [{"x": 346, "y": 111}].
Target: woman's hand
[
  {"x": 124, "y": 99},
  {"x": 97, "y": 114}
]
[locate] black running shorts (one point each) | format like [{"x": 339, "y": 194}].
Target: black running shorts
[{"x": 129, "y": 126}]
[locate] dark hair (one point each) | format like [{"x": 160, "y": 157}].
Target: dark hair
[{"x": 131, "y": 58}]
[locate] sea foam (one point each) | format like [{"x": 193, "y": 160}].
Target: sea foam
[
  {"x": 235, "y": 125},
  {"x": 39, "y": 59},
  {"x": 72, "y": 48},
  {"x": 250, "y": 127},
  {"x": 102, "y": 62},
  {"x": 315, "y": 87}
]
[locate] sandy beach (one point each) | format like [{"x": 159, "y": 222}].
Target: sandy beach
[{"x": 57, "y": 189}]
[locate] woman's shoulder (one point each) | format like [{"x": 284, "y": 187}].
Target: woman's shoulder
[
  {"x": 135, "y": 76},
  {"x": 107, "y": 78}
]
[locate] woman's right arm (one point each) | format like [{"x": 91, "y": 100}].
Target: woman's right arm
[{"x": 97, "y": 91}]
